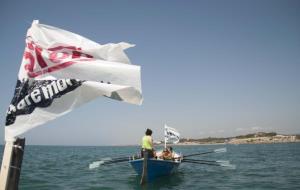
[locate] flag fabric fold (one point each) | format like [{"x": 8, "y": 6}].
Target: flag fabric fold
[
  {"x": 61, "y": 70},
  {"x": 171, "y": 135}
]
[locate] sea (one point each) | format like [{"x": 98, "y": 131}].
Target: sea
[{"x": 258, "y": 166}]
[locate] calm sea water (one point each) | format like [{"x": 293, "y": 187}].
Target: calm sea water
[{"x": 265, "y": 166}]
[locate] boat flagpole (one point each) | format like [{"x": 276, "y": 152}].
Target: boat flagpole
[
  {"x": 171, "y": 135},
  {"x": 165, "y": 134}
]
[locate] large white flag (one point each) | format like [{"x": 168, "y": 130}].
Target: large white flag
[
  {"x": 61, "y": 70},
  {"x": 171, "y": 135}
]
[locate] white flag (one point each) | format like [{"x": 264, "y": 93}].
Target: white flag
[
  {"x": 61, "y": 70},
  {"x": 171, "y": 135}
]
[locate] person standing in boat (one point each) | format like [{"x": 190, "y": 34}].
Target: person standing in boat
[{"x": 147, "y": 144}]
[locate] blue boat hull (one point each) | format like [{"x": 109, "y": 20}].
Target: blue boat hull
[{"x": 156, "y": 168}]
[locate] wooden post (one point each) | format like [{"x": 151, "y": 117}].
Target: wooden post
[
  {"x": 145, "y": 168},
  {"x": 11, "y": 164},
  {"x": 16, "y": 164},
  {"x": 7, "y": 154}
]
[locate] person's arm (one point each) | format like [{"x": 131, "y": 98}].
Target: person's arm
[{"x": 151, "y": 143}]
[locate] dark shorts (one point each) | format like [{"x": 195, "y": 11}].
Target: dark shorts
[{"x": 150, "y": 153}]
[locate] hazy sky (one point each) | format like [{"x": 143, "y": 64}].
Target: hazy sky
[{"x": 209, "y": 68}]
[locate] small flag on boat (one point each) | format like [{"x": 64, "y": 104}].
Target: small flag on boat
[
  {"x": 171, "y": 135},
  {"x": 61, "y": 70}
]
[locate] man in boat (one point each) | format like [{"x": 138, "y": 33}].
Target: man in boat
[
  {"x": 147, "y": 144},
  {"x": 167, "y": 154}
]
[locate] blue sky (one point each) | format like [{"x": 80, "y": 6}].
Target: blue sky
[{"x": 209, "y": 68}]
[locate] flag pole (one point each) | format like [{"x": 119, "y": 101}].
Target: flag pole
[
  {"x": 11, "y": 164},
  {"x": 7, "y": 155},
  {"x": 165, "y": 137}
]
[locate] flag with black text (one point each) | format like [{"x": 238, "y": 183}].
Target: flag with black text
[{"x": 61, "y": 70}]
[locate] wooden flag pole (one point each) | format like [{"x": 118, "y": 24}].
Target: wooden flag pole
[
  {"x": 11, "y": 164},
  {"x": 7, "y": 154}
]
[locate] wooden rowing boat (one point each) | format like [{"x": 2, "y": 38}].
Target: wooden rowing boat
[{"x": 156, "y": 167}]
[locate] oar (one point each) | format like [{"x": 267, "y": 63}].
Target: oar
[
  {"x": 206, "y": 163},
  {"x": 118, "y": 158},
  {"x": 211, "y": 163},
  {"x": 115, "y": 161},
  {"x": 145, "y": 168},
  {"x": 96, "y": 164},
  {"x": 220, "y": 150}
]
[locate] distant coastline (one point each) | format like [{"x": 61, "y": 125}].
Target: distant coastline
[{"x": 254, "y": 138}]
